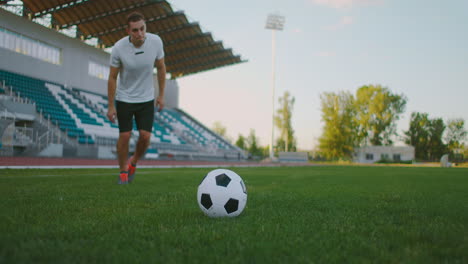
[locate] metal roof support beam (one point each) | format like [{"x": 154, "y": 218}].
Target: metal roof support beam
[
  {"x": 174, "y": 42},
  {"x": 59, "y": 7},
  {"x": 123, "y": 26},
  {"x": 111, "y": 12},
  {"x": 174, "y": 29},
  {"x": 54, "y": 24},
  {"x": 173, "y": 63},
  {"x": 27, "y": 12},
  {"x": 193, "y": 49},
  {"x": 79, "y": 34}
]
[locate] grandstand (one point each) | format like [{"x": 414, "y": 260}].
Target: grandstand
[{"x": 53, "y": 88}]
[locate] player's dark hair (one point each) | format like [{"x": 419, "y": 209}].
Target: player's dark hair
[{"x": 135, "y": 17}]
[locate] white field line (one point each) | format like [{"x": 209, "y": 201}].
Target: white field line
[{"x": 157, "y": 166}]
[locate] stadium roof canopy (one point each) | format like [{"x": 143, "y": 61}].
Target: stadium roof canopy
[{"x": 188, "y": 49}]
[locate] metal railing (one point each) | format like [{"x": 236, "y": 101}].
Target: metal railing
[{"x": 23, "y": 136}]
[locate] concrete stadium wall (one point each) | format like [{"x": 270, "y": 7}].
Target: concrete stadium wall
[
  {"x": 73, "y": 71},
  {"x": 18, "y": 107},
  {"x": 171, "y": 93}
]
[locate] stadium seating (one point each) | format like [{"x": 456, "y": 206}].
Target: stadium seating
[
  {"x": 47, "y": 103},
  {"x": 82, "y": 116},
  {"x": 172, "y": 129},
  {"x": 161, "y": 133},
  {"x": 192, "y": 129}
]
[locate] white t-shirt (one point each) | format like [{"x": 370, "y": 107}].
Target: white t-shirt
[{"x": 136, "y": 65}]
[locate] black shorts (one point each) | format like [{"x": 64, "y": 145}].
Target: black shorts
[{"x": 143, "y": 112}]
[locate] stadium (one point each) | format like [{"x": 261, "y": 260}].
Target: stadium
[
  {"x": 60, "y": 202},
  {"x": 54, "y": 96}
]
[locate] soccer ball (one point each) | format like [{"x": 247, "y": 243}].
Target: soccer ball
[{"x": 222, "y": 193}]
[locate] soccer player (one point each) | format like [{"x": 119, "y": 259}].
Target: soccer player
[{"x": 133, "y": 58}]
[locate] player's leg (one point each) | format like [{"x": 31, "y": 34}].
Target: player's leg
[
  {"x": 122, "y": 149},
  {"x": 122, "y": 155},
  {"x": 144, "y": 118},
  {"x": 142, "y": 146},
  {"x": 124, "y": 116}
]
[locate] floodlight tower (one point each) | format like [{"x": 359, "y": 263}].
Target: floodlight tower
[{"x": 274, "y": 22}]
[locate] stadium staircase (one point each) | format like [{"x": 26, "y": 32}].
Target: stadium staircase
[
  {"x": 45, "y": 96},
  {"x": 31, "y": 132}
]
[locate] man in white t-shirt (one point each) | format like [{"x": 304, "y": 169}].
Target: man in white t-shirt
[{"x": 134, "y": 57}]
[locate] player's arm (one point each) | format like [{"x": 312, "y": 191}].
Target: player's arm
[
  {"x": 111, "y": 87},
  {"x": 161, "y": 67}
]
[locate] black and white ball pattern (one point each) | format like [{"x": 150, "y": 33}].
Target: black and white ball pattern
[{"x": 222, "y": 193}]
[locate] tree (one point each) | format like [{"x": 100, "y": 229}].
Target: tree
[
  {"x": 241, "y": 142},
  {"x": 437, "y": 148},
  {"x": 253, "y": 148},
  {"x": 417, "y": 135},
  {"x": 425, "y": 135},
  {"x": 283, "y": 123},
  {"x": 377, "y": 111},
  {"x": 338, "y": 138},
  {"x": 221, "y": 130},
  {"x": 282, "y": 145},
  {"x": 456, "y": 134},
  {"x": 265, "y": 151}
]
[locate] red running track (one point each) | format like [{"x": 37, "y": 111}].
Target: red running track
[{"x": 28, "y": 162}]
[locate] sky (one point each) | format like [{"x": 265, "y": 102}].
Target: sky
[{"x": 418, "y": 48}]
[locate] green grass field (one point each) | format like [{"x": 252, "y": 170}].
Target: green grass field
[{"x": 323, "y": 214}]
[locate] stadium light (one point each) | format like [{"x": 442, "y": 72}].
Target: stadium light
[{"x": 274, "y": 22}]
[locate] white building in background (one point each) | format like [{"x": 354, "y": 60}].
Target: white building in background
[{"x": 372, "y": 154}]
